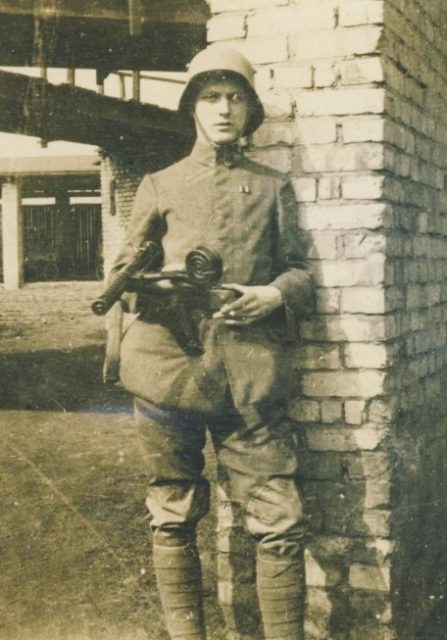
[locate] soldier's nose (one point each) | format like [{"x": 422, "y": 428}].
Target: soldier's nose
[{"x": 224, "y": 105}]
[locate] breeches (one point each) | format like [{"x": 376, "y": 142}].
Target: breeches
[{"x": 257, "y": 465}]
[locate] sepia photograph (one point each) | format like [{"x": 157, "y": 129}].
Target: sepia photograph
[{"x": 223, "y": 319}]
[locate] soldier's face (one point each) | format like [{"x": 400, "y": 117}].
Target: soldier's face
[{"x": 221, "y": 112}]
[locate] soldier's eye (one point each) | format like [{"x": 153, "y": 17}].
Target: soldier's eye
[{"x": 210, "y": 97}]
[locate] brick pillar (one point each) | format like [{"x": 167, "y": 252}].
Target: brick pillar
[
  {"x": 119, "y": 182},
  {"x": 12, "y": 235},
  {"x": 120, "y": 177}
]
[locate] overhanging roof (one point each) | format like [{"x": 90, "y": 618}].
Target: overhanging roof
[
  {"x": 34, "y": 107},
  {"x": 102, "y": 34},
  {"x": 52, "y": 165}
]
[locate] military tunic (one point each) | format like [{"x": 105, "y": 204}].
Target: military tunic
[{"x": 247, "y": 213}]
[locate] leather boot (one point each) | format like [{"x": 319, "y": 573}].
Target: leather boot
[{"x": 179, "y": 582}]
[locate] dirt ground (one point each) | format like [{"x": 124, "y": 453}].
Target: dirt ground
[{"x": 74, "y": 540}]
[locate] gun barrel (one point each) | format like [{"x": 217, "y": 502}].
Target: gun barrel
[
  {"x": 100, "y": 307},
  {"x": 145, "y": 255}
]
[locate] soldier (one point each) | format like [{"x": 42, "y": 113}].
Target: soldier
[{"x": 238, "y": 387}]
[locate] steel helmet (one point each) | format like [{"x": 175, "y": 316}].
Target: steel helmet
[{"x": 217, "y": 62}]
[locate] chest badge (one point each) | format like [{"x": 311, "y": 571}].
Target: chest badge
[{"x": 244, "y": 188}]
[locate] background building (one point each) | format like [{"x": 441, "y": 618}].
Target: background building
[{"x": 57, "y": 184}]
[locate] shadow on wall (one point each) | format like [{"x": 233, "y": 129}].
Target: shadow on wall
[
  {"x": 420, "y": 519},
  {"x": 347, "y": 562}
]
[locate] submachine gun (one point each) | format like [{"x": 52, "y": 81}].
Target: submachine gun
[{"x": 176, "y": 298}]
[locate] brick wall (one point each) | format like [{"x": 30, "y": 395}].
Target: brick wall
[
  {"x": 415, "y": 63},
  {"x": 120, "y": 177},
  {"x": 355, "y": 116},
  {"x": 321, "y": 77},
  {"x": 119, "y": 181}
]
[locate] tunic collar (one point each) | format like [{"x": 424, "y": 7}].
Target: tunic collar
[{"x": 229, "y": 155}]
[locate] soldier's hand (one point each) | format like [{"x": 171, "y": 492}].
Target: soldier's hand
[{"x": 253, "y": 304}]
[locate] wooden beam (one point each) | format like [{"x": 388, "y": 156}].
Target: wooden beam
[
  {"x": 186, "y": 11},
  {"x": 135, "y": 17},
  {"x": 135, "y": 85},
  {"x": 161, "y": 46},
  {"x": 34, "y": 107},
  {"x": 51, "y": 165}
]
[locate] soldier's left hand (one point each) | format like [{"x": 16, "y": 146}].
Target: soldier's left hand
[{"x": 253, "y": 304}]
